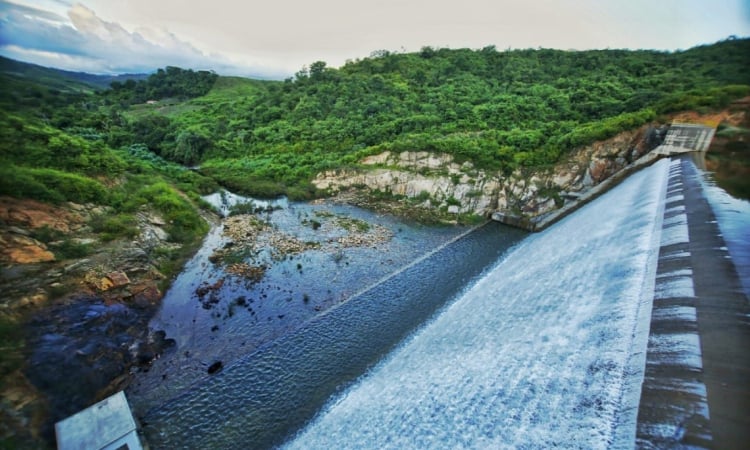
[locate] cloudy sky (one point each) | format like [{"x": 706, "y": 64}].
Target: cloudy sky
[{"x": 274, "y": 39}]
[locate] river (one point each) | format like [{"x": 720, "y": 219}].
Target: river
[
  {"x": 490, "y": 339},
  {"x": 357, "y": 302},
  {"x": 550, "y": 328}
]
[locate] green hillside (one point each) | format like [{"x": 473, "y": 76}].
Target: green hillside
[
  {"x": 498, "y": 109},
  {"x": 56, "y": 146}
]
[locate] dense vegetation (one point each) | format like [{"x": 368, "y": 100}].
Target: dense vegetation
[
  {"x": 498, "y": 109},
  {"x": 55, "y": 148},
  {"x": 171, "y": 82}
]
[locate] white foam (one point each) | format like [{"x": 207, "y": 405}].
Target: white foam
[
  {"x": 683, "y": 313},
  {"x": 536, "y": 354},
  {"x": 675, "y": 255},
  {"x": 679, "y": 209},
  {"x": 675, "y": 287},
  {"x": 675, "y": 234},
  {"x": 686, "y": 272},
  {"x": 680, "y": 219},
  {"x": 675, "y": 197},
  {"x": 681, "y": 349}
]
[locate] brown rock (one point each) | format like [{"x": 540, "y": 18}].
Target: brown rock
[
  {"x": 34, "y": 214},
  {"x": 33, "y": 300},
  {"x": 146, "y": 294},
  {"x": 104, "y": 284},
  {"x": 20, "y": 249},
  {"x": 118, "y": 279},
  {"x": 598, "y": 170}
]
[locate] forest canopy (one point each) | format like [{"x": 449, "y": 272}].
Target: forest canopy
[{"x": 498, "y": 109}]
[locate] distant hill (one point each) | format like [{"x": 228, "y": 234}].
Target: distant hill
[{"x": 63, "y": 80}]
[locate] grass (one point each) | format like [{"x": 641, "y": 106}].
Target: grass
[
  {"x": 111, "y": 227},
  {"x": 70, "y": 249}
]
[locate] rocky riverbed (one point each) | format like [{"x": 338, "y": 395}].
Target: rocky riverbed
[
  {"x": 74, "y": 311},
  {"x": 262, "y": 275},
  {"x": 83, "y": 316}
]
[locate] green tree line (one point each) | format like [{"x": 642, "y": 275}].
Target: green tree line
[{"x": 497, "y": 109}]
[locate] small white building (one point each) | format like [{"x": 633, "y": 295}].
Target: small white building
[{"x": 107, "y": 425}]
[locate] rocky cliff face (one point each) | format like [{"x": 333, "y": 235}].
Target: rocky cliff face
[
  {"x": 462, "y": 188},
  {"x": 436, "y": 179},
  {"x": 532, "y": 192}
]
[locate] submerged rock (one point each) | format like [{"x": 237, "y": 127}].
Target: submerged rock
[{"x": 215, "y": 367}]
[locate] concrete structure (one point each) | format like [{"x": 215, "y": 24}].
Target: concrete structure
[
  {"x": 696, "y": 391},
  {"x": 681, "y": 138},
  {"x": 686, "y": 137},
  {"x": 107, "y": 425}
]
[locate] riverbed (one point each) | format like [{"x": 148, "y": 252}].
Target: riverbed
[{"x": 262, "y": 275}]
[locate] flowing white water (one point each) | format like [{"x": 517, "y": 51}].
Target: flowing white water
[{"x": 545, "y": 351}]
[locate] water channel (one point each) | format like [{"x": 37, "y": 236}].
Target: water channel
[
  {"x": 490, "y": 339},
  {"x": 314, "y": 323}
]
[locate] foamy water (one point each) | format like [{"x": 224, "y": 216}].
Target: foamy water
[{"x": 539, "y": 353}]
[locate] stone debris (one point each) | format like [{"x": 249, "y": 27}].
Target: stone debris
[
  {"x": 20, "y": 249},
  {"x": 251, "y": 237},
  {"x": 254, "y": 273},
  {"x": 377, "y": 234},
  {"x": 118, "y": 279}
]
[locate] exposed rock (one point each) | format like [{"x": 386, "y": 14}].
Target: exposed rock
[
  {"x": 156, "y": 220},
  {"x": 417, "y": 174},
  {"x": 81, "y": 265},
  {"x": 18, "y": 230},
  {"x": 252, "y": 273},
  {"x": 215, "y": 367},
  {"x": 84, "y": 312},
  {"x": 20, "y": 249},
  {"x": 146, "y": 293},
  {"x": 152, "y": 234},
  {"x": 118, "y": 279},
  {"x": 529, "y": 191},
  {"x": 104, "y": 284},
  {"x": 36, "y": 299},
  {"x": 33, "y": 214}
]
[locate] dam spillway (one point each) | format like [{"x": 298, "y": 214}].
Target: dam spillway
[{"x": 547, "y": 349}]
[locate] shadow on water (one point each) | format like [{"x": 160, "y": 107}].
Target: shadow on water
[
  {"x": 261, "y": 399},
  {"x": 78, "y": 349}
]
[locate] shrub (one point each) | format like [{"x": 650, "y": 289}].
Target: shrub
[
  {"x": 243, "y": 208},
  {"x": 51, "y": 185},
  {"x": 70, "y": 249},
  {"x": 113, "y": 227}
]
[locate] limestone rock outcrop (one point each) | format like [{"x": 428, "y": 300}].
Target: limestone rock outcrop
[
  {"x": 434, "y": 178},
  {"x": 19, "y": 249},
  {"x": 461, "y": 188}
]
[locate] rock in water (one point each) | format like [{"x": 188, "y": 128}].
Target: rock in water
[{"x": 215, "y": 367}]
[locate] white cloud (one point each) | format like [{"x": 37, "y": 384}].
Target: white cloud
[
  {"x": 276, "y": 39},
  {"x": 83, "y": 41}
]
